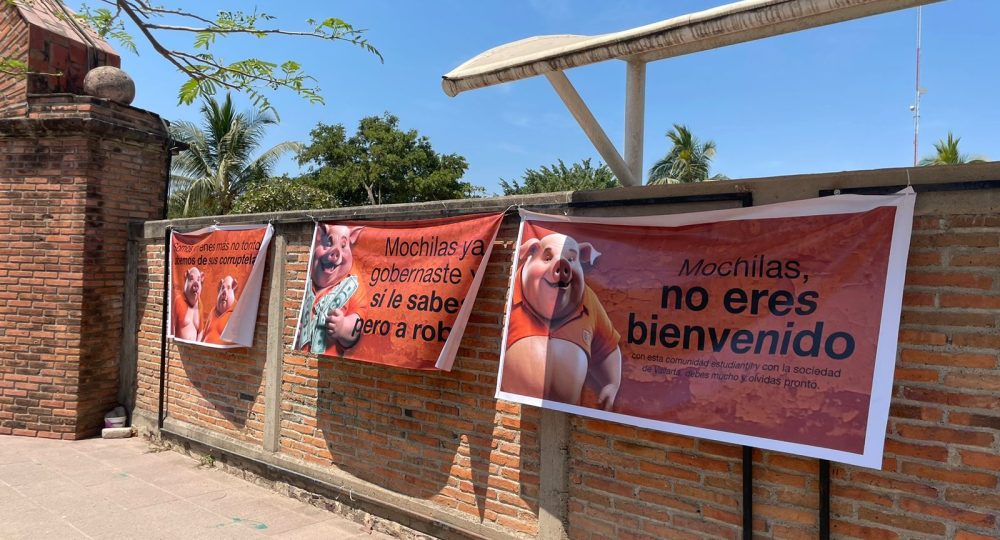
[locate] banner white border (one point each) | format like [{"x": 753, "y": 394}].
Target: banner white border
[
  {"x": 885, "y": 356},
  {"x": 251, "y": 291}
]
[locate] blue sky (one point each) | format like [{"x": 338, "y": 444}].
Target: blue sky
[{"x": 828, "y": 99}]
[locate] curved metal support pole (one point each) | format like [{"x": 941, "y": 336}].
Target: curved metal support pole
[{"x": 590, "y": 126}]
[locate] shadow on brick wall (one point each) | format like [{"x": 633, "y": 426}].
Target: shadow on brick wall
[
  {"x": 220, "y": 389},
  {"x": 427, "y": 435}
]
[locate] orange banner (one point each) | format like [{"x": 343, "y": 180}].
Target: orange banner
[
  {"x": 763, "y": 326},
  {"x": 215, "y": 283},
  {"x": 396, "y": 293}
]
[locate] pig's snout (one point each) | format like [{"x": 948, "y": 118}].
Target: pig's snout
[
  {"x": 562, "y": 271},
  {"x": 335, "y": 256}
]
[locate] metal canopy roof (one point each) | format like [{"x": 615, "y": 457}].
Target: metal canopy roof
[{"x": 738, "y": 22}]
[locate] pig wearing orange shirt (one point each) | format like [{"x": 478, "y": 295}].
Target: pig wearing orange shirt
[
  {"x": 187, "y": 306},
  {"x": 559, "y": 336},
  {"x": 219, "y": 318}
]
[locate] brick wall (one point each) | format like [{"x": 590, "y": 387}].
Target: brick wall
[
  {"x": 74, "y": 172},
  {"x": 441, "y": 442},
  {"x": 57, "y": 50},
  {"x": 13, "y": 44}
]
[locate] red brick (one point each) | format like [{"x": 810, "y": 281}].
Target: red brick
[
  {"x": 977, "y": 499},
  {"x": 991, "y": 421},
  {"x": 965, "y": 280},
  {"x": 843, "y": 529},
  {"x": 938, "y": 434},
  {"x": 963, "y": 239},
  {"x": 981, "y": 460},
  {"x": 917, "y": 337},
  {"x": 923, "y": 258},
  {"x": 979, "y": 381},
  {"x": 911, "y": 356},
  {"x": 981, "y": 259},
  {"x": 950, "y": 513},
  {"x": 950, "y": 475},
  {"x": 898, "y": 521},
  {"x": 909, "y": 449},
  {"x": 981, "y": 401},
  {"x": 969, "y": 535},
  {"x": 976, "y": 341},
  {"x": 893, "y": 484}
]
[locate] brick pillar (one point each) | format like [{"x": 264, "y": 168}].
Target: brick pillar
[{"x": 74, "y": 171}]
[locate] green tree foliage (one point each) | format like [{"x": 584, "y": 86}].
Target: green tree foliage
[
  {"x": 208, "y": 73},
  {"x": 281, "y": 194},
  {"x": 559, "y": 177},
  {"x": 946, "y": 153},
  {"x": 219, "y": 165},
  {"x": 382, "y": 164},
  {"x": 688, "y": 160}
]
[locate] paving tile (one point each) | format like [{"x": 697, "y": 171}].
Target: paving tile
[
  {"x": 186, "y": 520},
  {"x": 129, "y": 492},
  {"x": 327, "y": 530},
  {"x": 17, "y": 474},
  {"x": 14, "y": 507},
  {"x": 255, "y": 511},
  {"x": 119, "y": 489},
  {"x": 91, "y": 476},
  {"x": 36, "y": 523}
]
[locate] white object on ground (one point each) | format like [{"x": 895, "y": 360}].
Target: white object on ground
[{"x": 116, "y": 433}]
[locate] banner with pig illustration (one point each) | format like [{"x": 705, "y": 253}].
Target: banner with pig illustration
[
  {"x": 396, "y": 293},
  {"x": 216, "y": 274},
  {"x": 773, "y": 327}
]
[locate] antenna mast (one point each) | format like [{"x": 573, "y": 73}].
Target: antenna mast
[{"x": 919, "y": 91}]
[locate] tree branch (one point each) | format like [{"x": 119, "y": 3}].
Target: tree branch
[
  {"x": 274, "y": 31},
  {"x": 178, "y": 12},
  {"x": 127, "y": 8}
]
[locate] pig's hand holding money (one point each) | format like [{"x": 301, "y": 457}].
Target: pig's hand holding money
[{"x": 340, "y": 327}]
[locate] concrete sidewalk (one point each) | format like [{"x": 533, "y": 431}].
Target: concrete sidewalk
[{"x": 126, "y": 489}]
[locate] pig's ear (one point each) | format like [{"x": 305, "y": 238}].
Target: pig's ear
[
  {"x": 528, "y": 249},
  {"x": 236, "y": 284},
  {"x": 355, "y": 233},
  {"x": 588, "y": 253}
]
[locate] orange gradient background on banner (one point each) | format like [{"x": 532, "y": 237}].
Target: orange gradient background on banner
[
  {"x": 217, "y": 255},
  {"x": 414, "y": 277},
  {"x": 824, "y": 270}
]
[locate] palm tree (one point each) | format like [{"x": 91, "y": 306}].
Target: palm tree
[
  {"x": 218, "y": 166},
  {"x": 688, "y": 160},
  {"x": 947, "y": 153}
]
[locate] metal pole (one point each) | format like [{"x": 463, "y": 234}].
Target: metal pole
[
  {"x": 635, "y": 104},
  {"x": 824, "y": 499},
  {"x": 747, "y": 493},
  {"x": 586, "y": 119},
  {"x": 916, "y": 103},
  {"x": 163, "y": 325}
]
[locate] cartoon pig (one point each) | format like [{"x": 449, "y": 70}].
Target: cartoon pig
[
  {"x": 219, "y": 318},
  {"x": 334, "y": 304},
  {"x": 559, "y": 335},
  {"x": 187, "y": 306}
]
